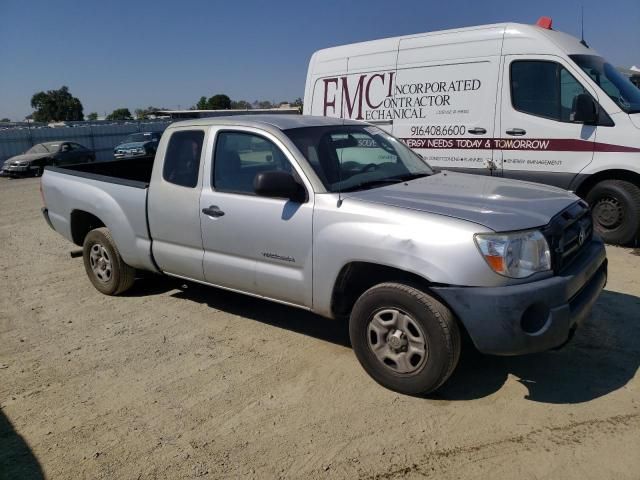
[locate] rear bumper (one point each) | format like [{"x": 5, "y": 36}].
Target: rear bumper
[{"x": 534, "y": 316}]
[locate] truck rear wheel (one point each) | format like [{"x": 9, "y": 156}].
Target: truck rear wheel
[
  {"x": 405, "y": 339},
  {"x": 616, "y": 210},
  {"x": 104, "y": 265}
]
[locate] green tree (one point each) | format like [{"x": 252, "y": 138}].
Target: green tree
[
  {"x": 56, "y": 105},
  {"x": 262, "y": 104},
  {"x": 143, "y": 113},
  {"x": 240, "y": 105},
  {"x": 298, "y": 103},
  {"x": 202, "y": 104},
  {"x": 5, "y": 120},
  {"x": 219, "y": 102},
  {"x": 120, "y": 114},
  {"x": 92, "y": 117}
]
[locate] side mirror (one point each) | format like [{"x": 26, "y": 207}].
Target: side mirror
[
  {"x": 278, "y": 184},
  {"x": 584, "y": 109},
  {"x": 64, "y": 148}
]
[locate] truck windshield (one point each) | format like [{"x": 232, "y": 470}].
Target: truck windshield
[
  {"x": 354, "y": 157},
  {"x": 618, "y": 87}
]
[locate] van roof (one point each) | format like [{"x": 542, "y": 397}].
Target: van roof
[
  {"x": 281, "y": 122},
  {"x": 530, "y": 39}
]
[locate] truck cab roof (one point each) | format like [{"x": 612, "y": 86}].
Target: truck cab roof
[{"x": 281, "y": 122}]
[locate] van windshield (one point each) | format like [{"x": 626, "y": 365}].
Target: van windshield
[
  {"x": 618, "y": 87},
  {"x": 357, "y": 157}
]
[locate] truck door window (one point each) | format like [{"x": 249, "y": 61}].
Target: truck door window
[
  {"x": 544, "y": 89},
  {"x": 239, "y": 157},
  {"x": 182, "y": 160}
]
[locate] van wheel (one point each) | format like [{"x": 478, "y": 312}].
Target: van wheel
[
  {"x": 615, "y": 205},
  {"x": 104, "y": 265},
  {"x": 405, "y": 339}
]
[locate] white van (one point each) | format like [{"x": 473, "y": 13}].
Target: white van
[{"x": 519, "y": 101}]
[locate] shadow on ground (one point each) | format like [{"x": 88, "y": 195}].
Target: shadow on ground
[
  {"x": 602, "y": 357},
  {"x": 17, "y": 461}
]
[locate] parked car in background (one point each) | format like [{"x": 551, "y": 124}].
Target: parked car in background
[
  {"x": 33, "y": 161},
  {"x": 136, "y": 145}
]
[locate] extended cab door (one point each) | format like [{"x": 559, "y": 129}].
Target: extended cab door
[
  {"x": 254, "y": 244},
  {"x": 537, "y": 138},
  {"x": 174, "y": 203}
]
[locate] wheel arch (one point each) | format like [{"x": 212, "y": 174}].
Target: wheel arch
[
  {"x": 582, "y": 187},
  {"x": 357, "y": 277},
  {"x": 82, "y": 223}
]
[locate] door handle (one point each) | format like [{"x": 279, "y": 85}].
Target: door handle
[
  {"x": 516, "y": 131},
  {"x": 477, "y": 131},
  {"x": 213, "y": 211}
]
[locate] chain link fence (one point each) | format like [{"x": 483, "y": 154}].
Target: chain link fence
[{"x": 101, "y": 137}]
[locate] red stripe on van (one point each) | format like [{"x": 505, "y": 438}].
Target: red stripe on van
[{"x": 537, "y": 144}]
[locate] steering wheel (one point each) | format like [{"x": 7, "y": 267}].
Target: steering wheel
[{"x": 370, "y": 167}]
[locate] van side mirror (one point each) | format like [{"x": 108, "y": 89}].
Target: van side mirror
[
  {"x": 278, "y": 184},
  {"x": 584, "y": 109}
]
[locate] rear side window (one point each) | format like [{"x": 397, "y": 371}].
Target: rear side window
[
  {"x": 182, "y": 159},
  {"x": 542, "y": 88}
]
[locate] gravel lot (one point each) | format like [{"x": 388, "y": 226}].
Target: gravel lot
[{"x": 174, "y": 381}]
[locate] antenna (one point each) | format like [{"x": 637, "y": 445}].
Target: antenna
[{"x": 582, "y": 27}]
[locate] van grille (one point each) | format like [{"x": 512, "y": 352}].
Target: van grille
[{"x": 568, "y": 233}]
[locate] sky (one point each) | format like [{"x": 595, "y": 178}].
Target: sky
[{"x": 168, "y": 53}]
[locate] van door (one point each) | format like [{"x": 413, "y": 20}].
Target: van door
[
  {"x": 444, "y": 100},
  {"x": 537, "y": 138},
  {"x": 251, "y": 243}
]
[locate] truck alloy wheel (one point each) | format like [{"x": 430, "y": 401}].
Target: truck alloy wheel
[
  {"x": 397, "y": 340},
  {"x": 404, "y": 338},
  {"x": 104, "y": 266}
]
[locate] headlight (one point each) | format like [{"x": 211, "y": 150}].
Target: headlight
[{"x": 517, "y": 254}]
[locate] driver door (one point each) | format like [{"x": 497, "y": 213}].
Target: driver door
[
  {"x": 251, "y": 243},
  {"x": 536, "y": 138}
]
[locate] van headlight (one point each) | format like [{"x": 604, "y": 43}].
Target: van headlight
[{"x": 515, "y": 254}]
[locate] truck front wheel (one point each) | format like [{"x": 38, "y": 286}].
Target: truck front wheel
[
  {"x": 616, "y": 210},
  {"x": 104, "y": 265},
  {"x": 406, "y": 340}
]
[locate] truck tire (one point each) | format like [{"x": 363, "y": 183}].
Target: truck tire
[
  {"x": 616, "y": 211},
  {"x": 405, "y": 339},
  {"x": 104, "y": 265}
]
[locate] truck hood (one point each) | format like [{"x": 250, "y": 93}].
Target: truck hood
[
  {"x": 27, "y": 157},
  {"x": 497, "y": 203}
]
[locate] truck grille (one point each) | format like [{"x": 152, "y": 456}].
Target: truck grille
[{"x": 567, "y": 233}]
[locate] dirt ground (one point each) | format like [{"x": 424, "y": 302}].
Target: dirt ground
[{"x": 174, "y": 381}]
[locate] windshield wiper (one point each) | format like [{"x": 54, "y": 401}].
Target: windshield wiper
[
  {"x": 371, "y": 184},
  {"x": 385, "y": 181},
  {"x": 411, "y": 176}
]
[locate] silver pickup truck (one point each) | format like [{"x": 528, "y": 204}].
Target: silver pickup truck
[{"x": 342, "y": 219}]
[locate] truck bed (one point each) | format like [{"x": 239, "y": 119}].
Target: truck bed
[
  {"x": 131, "y": 172},
  {"x": 113, "y": 194}
]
